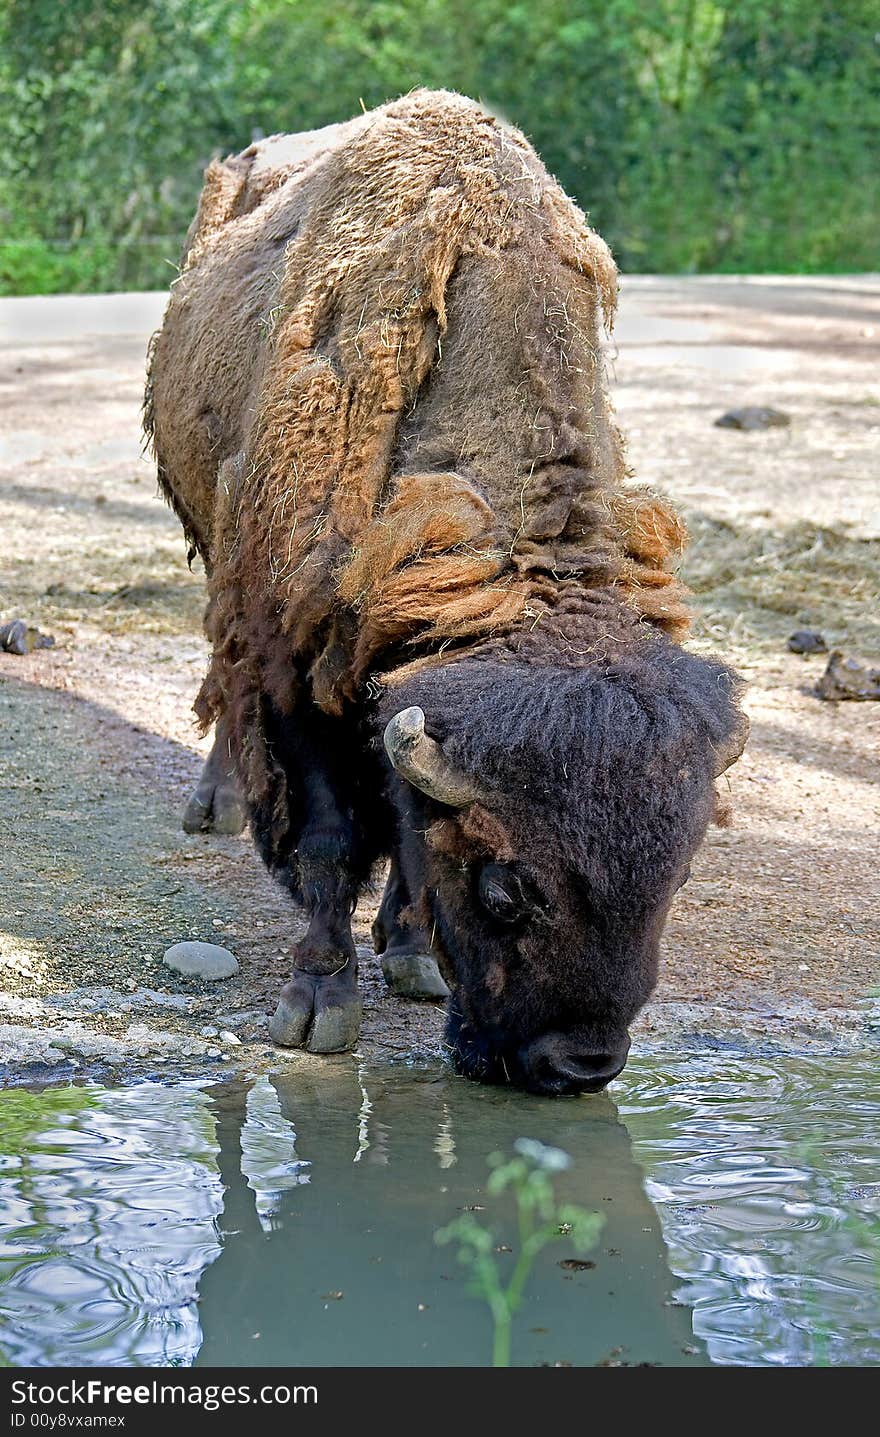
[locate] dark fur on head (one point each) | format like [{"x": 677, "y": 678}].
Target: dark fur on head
[{"x": 547, "y": 897}]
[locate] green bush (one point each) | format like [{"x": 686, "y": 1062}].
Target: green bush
[{"x": 700, "y": 136}]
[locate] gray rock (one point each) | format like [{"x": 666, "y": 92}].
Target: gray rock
[
  {"x": 807, "y": 641},
  {"x": 201, "y": 960},
  {"x": 246, "y": 1015},
  {"x": 753, "y": 416},
  {"x": 17, "y": 637},
  {"x": 848, "y": 679}
]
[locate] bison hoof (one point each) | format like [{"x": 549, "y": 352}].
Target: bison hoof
[
  {"x": 413, "y": 975},
  {"x": 322, "y": 1015},
  {"x": 215, "y": 810}
]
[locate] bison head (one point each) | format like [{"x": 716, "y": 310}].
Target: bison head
[{"x": 547, "y": 816}]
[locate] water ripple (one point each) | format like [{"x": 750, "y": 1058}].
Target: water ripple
[
  {"x": 108, "y": 1223},
  {"x": 765, "y": 1175}
]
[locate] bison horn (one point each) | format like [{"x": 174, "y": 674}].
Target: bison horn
[
  {"x": 421, "y": 761},
  {"x": 729, "y": 751}
]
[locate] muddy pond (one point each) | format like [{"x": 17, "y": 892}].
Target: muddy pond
[{"x": 291, "y": 1221}]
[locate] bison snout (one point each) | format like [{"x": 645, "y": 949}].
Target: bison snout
[{"x": 560, "y": 1063}]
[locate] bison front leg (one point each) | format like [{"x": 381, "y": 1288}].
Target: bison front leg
[
  {"x": 319, "y": 1008},
  {"x": 216, "y": 806},
  {"x": 409, "y": 967}
]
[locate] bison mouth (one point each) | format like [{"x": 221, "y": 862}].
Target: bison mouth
[
  {"x": 474, "y": 1054},
  {"x": 551, "y": 1066}
]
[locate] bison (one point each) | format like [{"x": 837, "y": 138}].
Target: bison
[{"x": 445, "y": 628}]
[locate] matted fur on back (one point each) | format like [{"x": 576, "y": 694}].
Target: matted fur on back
[{"x": 378, "y": 405}]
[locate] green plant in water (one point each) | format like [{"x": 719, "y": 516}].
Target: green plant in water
[{"x": 529, "y": 1175}]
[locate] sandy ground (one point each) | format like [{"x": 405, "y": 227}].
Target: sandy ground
[{"x": 775, "y": 940}]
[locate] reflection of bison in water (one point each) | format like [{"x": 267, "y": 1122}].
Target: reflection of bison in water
[{"x": 378, "y": 407}]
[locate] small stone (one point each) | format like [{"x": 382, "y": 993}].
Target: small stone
[
  {"x": 753, "y": 416},
  {"x": 230, "y": 1038},
  {"x": 201, "y": 960},
  {"x": 17, "y": 637},
  {"x": 807, "y": 641},
  {"x": 209, "y": 1031}
]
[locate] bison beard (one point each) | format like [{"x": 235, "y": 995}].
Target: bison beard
[{"x": 378, "y": 406}]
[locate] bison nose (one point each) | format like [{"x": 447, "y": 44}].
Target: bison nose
[{"x": 559, "y": 1063}]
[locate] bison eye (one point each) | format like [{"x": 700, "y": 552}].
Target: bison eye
[{"x": 500, "y": 893}]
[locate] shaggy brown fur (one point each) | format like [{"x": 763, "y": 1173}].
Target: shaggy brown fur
[{"x": 378, "y": 406}]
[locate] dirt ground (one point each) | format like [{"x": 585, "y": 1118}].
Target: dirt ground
[{"x": 775, "y": 940}]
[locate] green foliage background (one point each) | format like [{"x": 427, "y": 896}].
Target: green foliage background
[{"x": 701, "y": 135}]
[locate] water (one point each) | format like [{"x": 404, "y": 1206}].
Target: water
[
  {"x": 291, "y": 1222},
  {"x": 766, "y": 1178}
]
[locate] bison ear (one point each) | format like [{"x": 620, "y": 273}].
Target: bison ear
[
  {"x": 728, "y": 750},
  {"x": 421, "y": 761},
  {"x": 713, "y": 693}
]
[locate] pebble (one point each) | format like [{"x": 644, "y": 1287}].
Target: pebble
[
  {"x": 19, "y": 637},
  {"x": 807, "y": 641},
  {"x": 753, "y": 416},
  {"x": 201, "y": 960}
]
